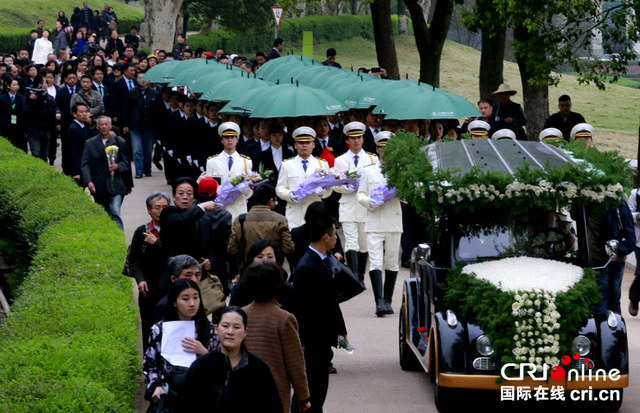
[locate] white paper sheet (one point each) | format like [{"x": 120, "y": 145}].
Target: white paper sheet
[{"x": 171, "y": 347}]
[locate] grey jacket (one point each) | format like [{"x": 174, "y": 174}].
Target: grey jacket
[
  {"x": 94, "y": 101},
  {"x": 60, "y": 42}
]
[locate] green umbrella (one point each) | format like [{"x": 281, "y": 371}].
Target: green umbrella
[
  {"x": 290, "y": 60},
  {"x": 369, "y": 93},
  {"x": 326, "y": 79},
  {"x": 229, "y": 89},
  {"x": 283, "y": 73},
  {"x": 422, "y": 101},
  {"x": 159, "y": 72},
  {"x": 205, "y": 83},
  {"x": 184, "y": 77},
  {"x": 289, "y": 101}
]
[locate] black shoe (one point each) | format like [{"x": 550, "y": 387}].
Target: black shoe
[
  {"x": 138, "y": 176},
  {"x": 148, "y": 175},
  {"x": 381, "y": 307},
  {"x": 633, "y": 308},
  {"x": 388, "y": 307},
  {"x": 406, "y": 264},
  {"x": 158, "y": 165},
  {"x": 332, "y": 369}
]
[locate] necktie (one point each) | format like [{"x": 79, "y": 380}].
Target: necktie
[
  {"x": 355, "y": 160},
  {"x": 304, "y": 164},
  {"x": 376, "y": 131},
  {"x": 230, "y": 162},
  {"x": 12, "y": 98},
  {"x": 130, "y": 84},
  {"x": 101, "y": 89},
  {"x": 323, "y": 143}
]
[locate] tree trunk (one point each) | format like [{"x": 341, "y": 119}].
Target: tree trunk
[
  {"x": 402, "y": 18},
  {"x": 535, "y": 94},
  {"x": 354, "y": 7},
  {"x": 492, "y": 59},
  {"x": 430, "y": 40},
  {"x": 159, "y": 25},
  {"x": 206, "y": 27},
  {"x": 383, "y": 35}
]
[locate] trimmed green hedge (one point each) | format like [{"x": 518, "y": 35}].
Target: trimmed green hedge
[
  {"x": 70, "y": 342},
  {"x": 324, "y": 28}
]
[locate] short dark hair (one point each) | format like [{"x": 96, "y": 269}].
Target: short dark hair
[
  {"x": 74, "y": 108},
  {"x": 261, "y": 54},
  {"x": 235, "y": 309},
  {"x": 485, "y": 100},
  {"x": 184, "y": 180},
  {"x": 275, "y": 127},
  {"x": 331, "y": 52},
  {"x": 320, "y": 227},
  {"x": 86, "y": 76},
  {"x": 277, "y": 42},
  {"x": 95, "y": 69},
  {"x": 564, "y": 98},
  {"x": 67, "y": 73},
  {"x": 263, "y": 194},
  {"x": 264, "y": 281}
]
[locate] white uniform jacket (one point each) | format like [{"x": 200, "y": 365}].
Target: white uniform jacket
[
  {"x": 350, "y": 210},
  {"x": 388, "y": 216},
  {"x": 218, "y": 167}
]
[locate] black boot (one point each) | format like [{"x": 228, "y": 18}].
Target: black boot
[
  {"x": 362, "y": 264},
  {"x": 352, "y": 261},
  {"x": 389, "y": 285},
  {"x": 376, "y": 286}
]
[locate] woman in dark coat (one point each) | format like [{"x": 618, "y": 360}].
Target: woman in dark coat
[{"x": 230, "y": 379}]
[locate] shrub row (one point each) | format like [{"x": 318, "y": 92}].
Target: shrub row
[
  {"x": 15, "y": 39},
  {"x": 324, "y": 28},
  {"x": 70, "y": 342}
]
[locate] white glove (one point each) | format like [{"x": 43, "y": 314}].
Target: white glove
[
  {"x": 170, "y": 152},
  {"x": 159, "y": 142},
  {"x": 179, "y": 161},
  {"x": 196, "y": 162},
  {"x": 244, "y": 188},
  {"x": 375, "y": 204},
  {"x": 202, "y": 168},
  {"x": 349, "y": 188},
  {"x": 293, "y": 196},
  {"x": 189, "y": 159}
]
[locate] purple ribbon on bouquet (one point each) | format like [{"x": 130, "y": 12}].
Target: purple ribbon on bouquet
[
  {"x": 257, "y": 184},
  {"x": 228, "y": 193},
  {"x": 383, "y": 193}
]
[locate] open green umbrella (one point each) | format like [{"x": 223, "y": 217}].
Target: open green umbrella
[
  {"x": 205, "y": 83},
  {"x": 186, "y": 76},
  {"x": 289, "y": 101},
  {"x": 422, "y": 101},
  {"x": 231, "y": 88},
  {"x": 283, "y": 73},
  {"x": 159, "y": 72},
  {"x": 289, "y": 60},
  {"x": 328, "y": 78}
]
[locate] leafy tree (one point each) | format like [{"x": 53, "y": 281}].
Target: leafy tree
[{"x": 237, "y": 15}]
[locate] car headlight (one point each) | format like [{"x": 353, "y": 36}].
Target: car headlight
[
  {"x": 582, "y": 345},
  {"x": 483, "y": 345}
]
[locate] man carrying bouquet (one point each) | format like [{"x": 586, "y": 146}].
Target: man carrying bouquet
[
  {"x": 383, "y": 227},
  {"x": 294, "y": 172},
  {"x": 106, "y": 169},
  {"x": 352, "y": 214},
  {"x": 228, "y": 165}
]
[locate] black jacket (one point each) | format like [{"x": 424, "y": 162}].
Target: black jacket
[
  {"x": 7, "y": 109},
  {"x": 120, "y": 99},
  {"x": 77, "y": 137},
  {"x": 212, "y": 385},
  {"x": 63, "y": 99},
  {"x": 317, "y": 308},
  {"x": 144, "y": 108},
  {"x": 266, "y": 161},
  {"x": 95, "y": 167},
  {"x": 115, "y": 44},
  {"x": 40, "y": 113},
  {"x": 557, "y": 121},
  {"x": 512, "y": 110}
]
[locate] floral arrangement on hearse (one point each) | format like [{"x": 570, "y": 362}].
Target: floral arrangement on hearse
[{"x": 531, "y": 307}]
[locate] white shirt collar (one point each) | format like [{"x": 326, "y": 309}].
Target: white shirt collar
[
  {"x": 79, "y": 123},
  {"x": 360, "y": 154},
  {"x": 322, "y": 257}
]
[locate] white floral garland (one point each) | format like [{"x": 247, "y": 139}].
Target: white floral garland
[
  {"x": 536, "y": 282},
  {"x": 447, "y": 195}
]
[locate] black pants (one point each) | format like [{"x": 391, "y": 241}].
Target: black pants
[{"x": 317, "y": 358}]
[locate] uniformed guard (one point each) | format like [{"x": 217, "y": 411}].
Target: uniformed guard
[
  {"x": 504, "y": 135},
  {"x": 228, "y": 164},
  {"x": 550, "y": 135},
  {"x": 352, "y": 214},
  {"x": 383, "y": 227},
  {"x": 479, "y": 129},
  {"x": 294, "y": 171},
  {"x": 583, "y": 131}
]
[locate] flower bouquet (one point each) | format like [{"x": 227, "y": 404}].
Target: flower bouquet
[
  {"x": 383, "y": 193},
  {"x": 241, "y": 184},
  {"x": 112, "y": 158},
  {"x": 325, "y": 178}
]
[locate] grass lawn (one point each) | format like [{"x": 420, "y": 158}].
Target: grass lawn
[
  {"x": 614, "y": 112},
  {"x": 25, "y": 14}
]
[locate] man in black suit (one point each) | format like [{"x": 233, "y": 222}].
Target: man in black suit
[
  {"x": 120, "y": 94},
  {"x": 63, "y": 99},
  {"x": 108, "y": 182},
  {"x": 318, "y": 311},
  {"x": 77, "y": 135},
  {"x": 12, "y": 114},
  {"x": 271, "y": 159},
  {"x": 98, "y": 76},
  {"x": 374, "y": 125},
  {"x": 278, "y": 47}
]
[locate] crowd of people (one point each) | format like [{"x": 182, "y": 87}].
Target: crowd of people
[{"x": 277, "y": 333}]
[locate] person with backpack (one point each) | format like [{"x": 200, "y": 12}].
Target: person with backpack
[
  {"x": 616, "y": 223},
  {"x": 634, "y": 290}
]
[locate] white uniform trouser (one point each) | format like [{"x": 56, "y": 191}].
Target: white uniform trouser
[
  {"x": 355, "y": 239},
  {"x": 384, "y": 247}
]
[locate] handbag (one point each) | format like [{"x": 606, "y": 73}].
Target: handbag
[
  {"x": 212, "y": 294},
  {"x": 348, "y": 285}
]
